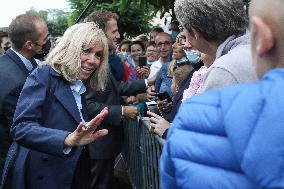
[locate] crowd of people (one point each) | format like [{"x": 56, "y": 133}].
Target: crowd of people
[
  {"x": 215, "y": 81},
  {"x": 5, "y": 42}
]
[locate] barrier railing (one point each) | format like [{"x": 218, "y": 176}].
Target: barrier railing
[{"x": 141, "y": 154}]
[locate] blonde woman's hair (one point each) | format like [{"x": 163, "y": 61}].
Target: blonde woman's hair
[
  {"x": 65, "y": 57},
  {"x": 171, "y": 68}
]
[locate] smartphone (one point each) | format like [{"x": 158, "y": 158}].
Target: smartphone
[
  {"x": 153, "y": 108},
  {"x": 142, "y": 61},
  {"x": 164, "y": 96}
]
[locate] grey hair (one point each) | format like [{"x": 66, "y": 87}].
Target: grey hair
[
  {"x": 215, "y": 19},
  {"x": 65, "y": 57}
]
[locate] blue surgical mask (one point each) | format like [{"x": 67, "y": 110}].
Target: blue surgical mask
[
  {"x": 182, "y": 60},
  {"x": 150, "y": 62},
  {"x": 126, "y": 54},
  {"x": 123, "y": 54},
  {"x": 192, "y": 56},
  {"x": 194, "y": 59}
]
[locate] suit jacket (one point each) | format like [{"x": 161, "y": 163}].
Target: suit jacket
[
  {"x": 110, "y": 145},
  {"x": 13, "y": 74},
  {"x": 116, "y": 66},
  {"x": 46, "y": 113}
]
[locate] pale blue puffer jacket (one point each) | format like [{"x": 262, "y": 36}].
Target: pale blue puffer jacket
[{"x": 228, "y": 139}]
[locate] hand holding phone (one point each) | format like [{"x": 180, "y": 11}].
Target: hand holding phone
[
  {"x": 142, "y": 61},
  {"x": 164, "y": 96}
]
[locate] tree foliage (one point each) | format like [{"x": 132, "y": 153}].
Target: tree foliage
[
  {"x": 77, "y": 7},
  {"x": 158, "y": 5},
  {"x": 57, "y": 22},
  {"x": 133, "y": 21}
]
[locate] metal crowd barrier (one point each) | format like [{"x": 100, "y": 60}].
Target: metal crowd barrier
[{"x": 142, "y": 153}]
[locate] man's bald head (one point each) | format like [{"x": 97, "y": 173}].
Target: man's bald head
[
  {"x": 163, "y": 35},
  {"x": 267, "y": 34},
  {"x": 164, "y": 45},
  {"x": 272, "y": 12}
]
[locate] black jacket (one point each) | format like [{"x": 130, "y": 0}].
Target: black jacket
[
  {"x": 111, "y": 145},
  {"x": 13, "y": 74}
]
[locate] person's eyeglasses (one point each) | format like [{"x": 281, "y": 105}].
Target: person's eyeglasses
[
  {"x": 151, "y": 51},
  {"x": 97, "y": 55},
  {"x": 181, "y": 40},
  {"x": 166, "y": 43}
]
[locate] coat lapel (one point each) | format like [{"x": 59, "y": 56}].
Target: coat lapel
[
  {"x": 84, "y": 108},
  {"x": 66, "y": 98},
  {"x": 17, "y": 61},
  {"x": 112, "y": 80}
]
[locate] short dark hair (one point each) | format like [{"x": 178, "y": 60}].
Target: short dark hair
[
  {"x": 23, "y": 28},
  {"x": 175, "y": 26},
  {"x": 137, "y": 43},
  {"x": 151, "y": 43},
  {"x": 143, "y": 38},
  {"x": 101, "y": 17},
  {"x": 157, "y": 29},
  {"x": 125, "y": 41}
]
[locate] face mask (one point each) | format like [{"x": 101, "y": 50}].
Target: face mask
[
  {"x": 150, "y": 62},
  {"x": 194, "y": 59},
  {"x": 6, "y": 48},
  {"x": 45, "y": 50},
  {"x": 182, "y": 60},
  {"x": 125, "y": 54},
  {"x": 192, "y": 56}
]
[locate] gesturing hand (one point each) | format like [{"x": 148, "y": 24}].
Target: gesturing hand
[
  {"x": 159, "y": 124},
  {"x": 84, "y": 135}
]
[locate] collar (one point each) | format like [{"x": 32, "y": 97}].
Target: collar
[
  {"x": 78, "y": 87},
  {"x": 231, "y": 42},
  {"x": 27, "y": 63}
]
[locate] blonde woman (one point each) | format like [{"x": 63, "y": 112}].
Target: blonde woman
[{"x": 51, "y": 129}]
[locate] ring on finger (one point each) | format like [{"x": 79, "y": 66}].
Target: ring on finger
[{"x": 86, "y": 125}]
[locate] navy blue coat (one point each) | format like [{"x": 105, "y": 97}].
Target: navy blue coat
[
  {"x": 116, "y": 67},
  {"x": 110, "y": 145},
  {"x": 46, "y": 113},
  {"x": 13, "y": 74}
]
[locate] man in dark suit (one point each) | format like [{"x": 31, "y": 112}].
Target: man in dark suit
[
  {"x": 28, "y": 34},
  {"x": 104, "y": 151}
]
